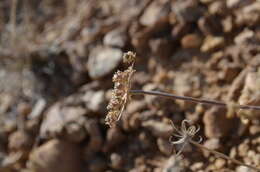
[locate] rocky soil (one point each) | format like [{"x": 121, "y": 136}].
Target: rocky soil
[{"x": 56, "y": 68}]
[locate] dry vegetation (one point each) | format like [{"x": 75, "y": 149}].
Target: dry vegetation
[{"x": 57, "y": 61}]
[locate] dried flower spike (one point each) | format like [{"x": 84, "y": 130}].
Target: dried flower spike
[{"x": 120, "y": 93}]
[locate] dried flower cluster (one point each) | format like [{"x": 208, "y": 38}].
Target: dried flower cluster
[
  {"x": 185, "y": 134},
  {"x": 120, "y": 93}
]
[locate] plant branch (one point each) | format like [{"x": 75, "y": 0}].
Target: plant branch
[
  {"x": 192, "y": 99},
  {"x": 221, "y": 155}
]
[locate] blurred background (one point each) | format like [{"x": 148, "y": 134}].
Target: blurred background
[{"x": 57, "y": 59}]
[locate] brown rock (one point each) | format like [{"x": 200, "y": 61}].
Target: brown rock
[
  {"x": 162, "y": 48},
  {"x": 56, "y": 156},
  {"x": 155, "y": 12},
  {"x": 20, "y": 141},
  {"x": 191, "y": 41},
  {"x": 216, "y": 123},
  {"x": 114, "y": 137},
  {"x": 164, "y": 146},
  {"x": 158, "y": 129},
  {"x": 213, "y": 144},
  {"x": 96, "y": 140}
]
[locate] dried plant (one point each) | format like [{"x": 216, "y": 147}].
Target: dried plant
[
  {"x": 120, "y": 93},
  {"x": 186, "y": 134}
]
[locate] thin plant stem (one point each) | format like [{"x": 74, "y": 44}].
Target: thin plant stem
[
  {"x": 192, "y": 99},
  {"x": 221, "y": 155}
]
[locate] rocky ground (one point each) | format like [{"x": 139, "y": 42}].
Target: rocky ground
[{"x": 57, "y": 61}]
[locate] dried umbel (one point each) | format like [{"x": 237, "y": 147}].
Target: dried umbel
[
  {"x": 185, "y": 134},
  {"x": 120, "y": 93}
]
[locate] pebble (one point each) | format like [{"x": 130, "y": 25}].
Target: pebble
[
  {"x": 191, "y": 41},
  {"x": 216, "y": 123},
  {"x": 164, "y": 146},
  {"x": 115, "y": 38},
  {"x": 158, "y": 128},
  {"x": 212, "y": 43},
  {"x": 56, "y": 156},
  {"x": 95, "y": 101},
  {"x": 102, "y": 61},
  {"x": 116, "y": 161}
]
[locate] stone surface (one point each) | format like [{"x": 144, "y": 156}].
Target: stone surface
[
  {"x": 102, "y": 61},
  {"x": 56, "y": 156}
]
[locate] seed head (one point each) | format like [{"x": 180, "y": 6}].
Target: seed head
[
  {"x": 120, "y": 93},
  {"x": 185, "y": 134}
]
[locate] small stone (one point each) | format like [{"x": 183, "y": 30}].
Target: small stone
[
  {"x": 155, "y": 12},
  {"x": 216, "y": 123},
  {"x": 254, "y": 129},
  {"x": 174, "y": 164},
  {"x": 191, "y": 41},
  {"x": 57, "y": 117},
  {"x": 20, "y": 140},
  {"x": 244, "y": 169},
  {"x": 24, "y": 109},
  {"x": 220, "y": 163},
  {"x": 56, "y": 156},
  {"x": 217, "y": 7},
  {"x": 187, "y": 11},
  {"x": 243, "y": 149},
  {"x": 75, "y": 132},
  {"x": 102, "y": 61},
  {"x": 213, "y": 144},
  {"x": 244, "y": 36},
  {"x": 95, "y": 142},
  {"x": 158, "y": 129},
  {"x": 115, "y": 38},
  {"x": 227, "y": 24},
  {"x": 95, "y": 101},
  {"x": 238, "y": 3},
  {"x": 212, "y": 43},
  {"x": 114, "y": 137},
  {"x": 164, "y": 146},
  {"x": 197, "y": 166},
  {"x": 116, "y": 161},
  {"x": 37, "y": 109}
]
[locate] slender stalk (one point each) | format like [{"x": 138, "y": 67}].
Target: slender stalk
[
  {"x": 192, "y": 99},
  {"x": 221, "y": 155}
]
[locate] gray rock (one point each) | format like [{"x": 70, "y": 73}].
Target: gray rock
[
  {"x": 57, "y": 117},
  {"x": 95, "y": 101},
  {"x": 102, "y": 61},
  {"x": 115, "y": 38}
]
